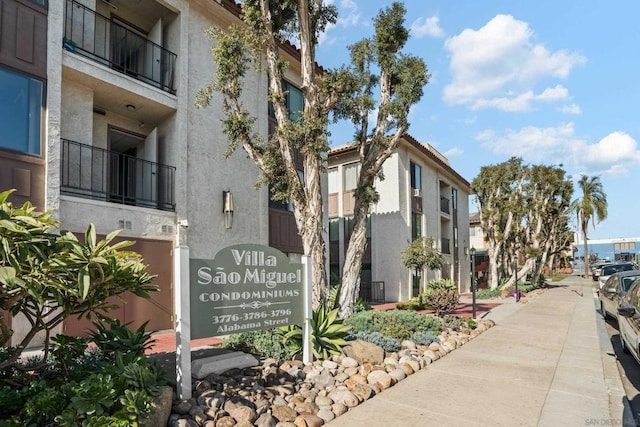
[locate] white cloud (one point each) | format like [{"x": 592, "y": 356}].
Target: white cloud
[
  {"x": 454, "y": 152},
  {"x": 615, "y": 148},
  {"x": 523, "y": 101},
  {"x": 348, "y": 16},
  {"x": 570, "y": 109},
  {"x": 498, "y": 66},
  {"x": 613, "y": 154},
  {"x": 426, "y": 27}
]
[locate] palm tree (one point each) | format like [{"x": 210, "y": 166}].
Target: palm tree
[{"x": 591, "y": 207}]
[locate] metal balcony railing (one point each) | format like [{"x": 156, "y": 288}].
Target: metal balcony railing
[
  {"x": 97, "y": 37},
  {"x": 95, "y": 173},
  {"x": 444, "y": 205},
  {"x": 445, "y": 245}
]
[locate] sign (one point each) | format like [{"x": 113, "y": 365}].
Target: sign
[{"x": 244, "y": 288}]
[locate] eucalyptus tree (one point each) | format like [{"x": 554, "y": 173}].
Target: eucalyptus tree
[
  {"x": 343, "y": 93},
  {"x": 548, "y": 193},
  {"x": 499, "y": 193},
  {"x": 591, "y": 206},
  {"x": 267, "y": 25},
  {"x": 391, "y": 82}
]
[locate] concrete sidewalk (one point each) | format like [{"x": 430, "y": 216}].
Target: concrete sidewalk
[{"x": 545, "y": 363}]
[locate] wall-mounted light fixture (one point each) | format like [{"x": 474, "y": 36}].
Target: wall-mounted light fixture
[{"x": 227, "y": 208}]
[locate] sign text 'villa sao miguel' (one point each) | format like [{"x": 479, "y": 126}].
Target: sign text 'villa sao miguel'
[{"x": 244, "y": 288}]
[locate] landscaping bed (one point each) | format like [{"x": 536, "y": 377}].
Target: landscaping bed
[{"x": 290, "y": 393}]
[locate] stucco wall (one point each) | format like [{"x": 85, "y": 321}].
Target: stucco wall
[{"x": 209, "y": 172}]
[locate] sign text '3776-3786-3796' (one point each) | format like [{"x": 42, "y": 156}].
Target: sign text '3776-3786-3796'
[{"x": 244, "y": 288}]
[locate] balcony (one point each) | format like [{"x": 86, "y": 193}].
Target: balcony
[
  {"x": 444, "y": 205},
  {"x": 98, "y": 174},
  {"x": 103, "y": 40}
]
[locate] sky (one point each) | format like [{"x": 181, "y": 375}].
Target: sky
[{"x": 553, "y": 82}]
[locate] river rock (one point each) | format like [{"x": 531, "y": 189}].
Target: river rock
[{"x": 364, "y": 352}]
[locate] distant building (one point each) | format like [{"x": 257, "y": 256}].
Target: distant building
[
  {"x": 421, "y": 196},
  {"x": 620, "y": 249}
]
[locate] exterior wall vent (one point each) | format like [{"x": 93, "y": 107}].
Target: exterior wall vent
[{"x": 124, "y": 224}]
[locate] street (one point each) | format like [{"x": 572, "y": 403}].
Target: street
[{"x": 628, "y": 367}]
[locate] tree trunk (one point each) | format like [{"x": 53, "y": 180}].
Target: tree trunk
[
  {"x": 309, "y": 220},
  {"x": 586, "y": 252},
  {"x": 350, "y": 286}
]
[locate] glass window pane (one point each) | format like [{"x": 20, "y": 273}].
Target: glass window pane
[
  {"x": 294, "y": 103},
  {"x": 334, "y": 227},
  {"x": 333, "y": 180},
  {"x": 20, "y": 112},
  {"x": 351, "y": 176}
]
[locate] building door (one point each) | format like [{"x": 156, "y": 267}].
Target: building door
[{"x": 123, "y": 152}]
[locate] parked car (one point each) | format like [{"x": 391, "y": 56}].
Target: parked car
[
  {"x": 596, "y": 267},
  {"x": 629, "y": 320},
  {"x": 614, "y": 289},
  {"x": 610, "y": 269}
]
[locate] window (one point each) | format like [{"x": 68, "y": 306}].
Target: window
[
  {"x": 333, "y": 180},
  {"x": 351, "y": 172},
  {"x": 20, "y": 112},
  {"x": 416, "y": 226},
  {"x": 416, "y": 176},
  {"x": 294, "y": 101},
  {"x": 454, "y": 198},
  {"x": 334, "y": 230}
]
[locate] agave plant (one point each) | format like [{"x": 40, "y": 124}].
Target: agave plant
[{"x": 328, "y": 333}]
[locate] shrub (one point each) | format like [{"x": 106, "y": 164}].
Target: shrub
[
  {"x": 488, "y": 293},
  {"x": 80, "y": 387},
  {"x": 389, "y": 344},
  {"x": 412, "y": 304},
  {"x": 375, "y": 321},
  {"x": 265, "y": 343},
  {"x": 442, "y": 295},
  {"x": 423, "y": 338},
  {"x": 328, "y": 333},
  {"x": 42, "y": 272}
]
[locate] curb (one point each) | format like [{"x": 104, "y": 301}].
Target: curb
[{"x": 618, "y": 401}]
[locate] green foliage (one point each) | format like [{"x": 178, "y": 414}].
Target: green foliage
[
  {"x": 424, "y": 337},
  {"x": 376, "y": 321},
  {"x": 456, "y": 323},
  {"x": 328, "y": 333},
  {"x": 120, "y": 339},
  {"x": 42, "y": 272},
  {"x": 389, "y": 344},
  {"x": 442, "y": 296},
  {"x": 265, "y": 343},
  {"x": 421, "y": 253},
  {"x": 75, "y": 386},
  {"x": 443, "y": 300},
  {"x": 488, "y": 293},
  {"x": 413, "y": 304}
]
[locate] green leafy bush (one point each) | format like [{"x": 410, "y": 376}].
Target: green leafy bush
[
  {"x": 265, "y": 343},
  {"x": 488, "y": 293},
  {"x": 113, "y": 385},
  {"x": 328, "y": 333},
  {"x": 376, "y": 321},
  {"x": 389, "y": 344},
  {"x": 423, "y": 338},
  {"x": 456, "y": 323},
  {"x": 442, "y": 295}
]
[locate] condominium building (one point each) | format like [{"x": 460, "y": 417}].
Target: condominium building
[
  {"x": 99, "y": 125},
  {"x": 421, "y": 196}
]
